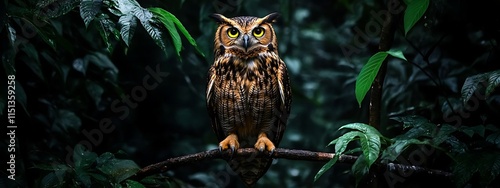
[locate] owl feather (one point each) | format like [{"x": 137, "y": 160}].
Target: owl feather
[{"x": 248, "y": 92}]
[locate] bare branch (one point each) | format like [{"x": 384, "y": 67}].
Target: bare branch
[{"x": 292, "y": 154}]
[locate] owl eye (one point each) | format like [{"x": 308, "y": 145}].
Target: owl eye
[
  {"x": 258, "y": 32},
  {"x": 233, "y": 32}
]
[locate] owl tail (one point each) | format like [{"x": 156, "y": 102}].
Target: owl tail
[{"x": 250, "y": 169}]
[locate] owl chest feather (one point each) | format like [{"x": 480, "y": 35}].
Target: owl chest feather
[{"x": 252, "y": 89}]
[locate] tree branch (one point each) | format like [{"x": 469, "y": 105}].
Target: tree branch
[{"x": 292, "y": 154}]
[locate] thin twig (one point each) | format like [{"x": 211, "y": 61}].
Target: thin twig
[{"x": 292, "y": 154}]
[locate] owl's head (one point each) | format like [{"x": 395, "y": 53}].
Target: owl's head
[{"x": 245, "y": 36}]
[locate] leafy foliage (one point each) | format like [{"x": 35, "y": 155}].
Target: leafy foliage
[
  {"x": 490, "y": 80},
  {"x": 415, "y": 9},
  {"x": 370, "y": 71}
]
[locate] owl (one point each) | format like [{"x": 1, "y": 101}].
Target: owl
[{"x": 248, "y": 91}]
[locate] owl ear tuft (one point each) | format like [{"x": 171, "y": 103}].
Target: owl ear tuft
[
  {"x": 271, "y": 18},
  {"x": 219, "y": 18}
]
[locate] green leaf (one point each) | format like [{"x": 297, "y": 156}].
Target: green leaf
[
  {"x": 106, "y": 28},
  {"x": 180, "y": 27},
  {"x": 360, "y": 168},
  {"x": 393, "y": 151},
  {"x": 494, "y": 138},
  {"x": 117, "y": 169},
  {"x": 128, "y": 24},
  {"x": 470, "y": 131},
  {"x": 326, "y": 167},
  {"x": 89, "y": 9},
  {"x": 368, "y": 74},
  {"x": 489, "y": 79},
  {"x": 415, "y": 9},
  {"x": 342, "y": 141},
  {"x": 82, "y": 157},
  {"x": 162, "y": 15},
  {"x": 443, "y": 134},
  {"x": 151, "y": 27},
  {"x": 364, "y": 128},
  {"x": 133, "y": 184},
  {"x": 397, "y": 54},
  {"x": 370, "y": 144}
]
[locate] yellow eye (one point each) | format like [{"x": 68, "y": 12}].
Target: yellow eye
[
  {"x": 233, "y": 32},
  {"x": 258, "y": 32}
]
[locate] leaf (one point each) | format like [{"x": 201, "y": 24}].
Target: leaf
[
  {"x": 53, "y": 180},
  {"x": 180, "y": 27},
  {"x": 364, "y": 128},
  {"x": 411, "y": 120},
  {"x": 106, "y": 28},
  {"x": 53, "y": 9},
  {"x": 117, "y": 169},
  {"x": 393, "y": 151},
  {"x": 89, "y": 9},
  {"x": 169, "y": 24},
  {"x": 494, "y": 138},
  {"x": 360, "y": 168},
  {"x": 370, "y": 144},
  {"x": 128, "y": 24},
  {"x": 151, "y": 26},
  {"x": 102, "y": 62},
  {"x": 397, "y": 54},
  {"x": 479, "y": 129},
  {"x": 326, "y": 167},
  {"x": 342, "y": 142},
  {"x": 415, "y": 9},
  {"x": 368, "y": 74},
  {"x": 133, "y": 184},
  {"x": 82, "y": 157},
  {"x": 443, "y": 134},
  {"x": 489, "y": 79}
]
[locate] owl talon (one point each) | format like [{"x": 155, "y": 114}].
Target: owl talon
[
  {"x": 264, "y": 143},
  {"x": 231, "y": 142}
]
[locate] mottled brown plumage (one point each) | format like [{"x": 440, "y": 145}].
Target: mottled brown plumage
[{"x": 248, "y": 91}]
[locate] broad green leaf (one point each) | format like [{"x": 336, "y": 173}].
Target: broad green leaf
[
  {"x": 107, "y": 28},
  {"x": 128, "y": 24},
  {"x": 393, "y": 151},
  {"x": 342, "y": 141},
  {"x": 82, "y": 157},
  {"x": 169, "y": 24},
  {"x": 397, "y": 54},
  {"x": 180, "y": 27},
  {"x": 117, "y": 169},
  {"x": 133, "y": 184},
  {"x": 151, "y": 26},
  {"x": 364, "y": 128},
  {"x": 360, "y": 168},
  {"x": 326, "y": 167},
  {"x": 470, "y": 131},
  {"x": 415, "y": 9},
  {"x": 89, "y": 9},
  {"x": 370, "y": 144},
  {"x": 124, "y": 7},
  {"x": 443, "y": 134},
  {"x": 489, "y": 79},
  {"x": 494, "y": 138},
  {"x": 493, "y": 81},
  {"x": 368, "y": 74}
]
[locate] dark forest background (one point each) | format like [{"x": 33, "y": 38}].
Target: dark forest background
[{"x": 95, "y": 103}]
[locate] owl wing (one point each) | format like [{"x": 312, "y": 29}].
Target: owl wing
[
  {"x": 212, "y": 104},
  {"x": 284, "y": 105}
]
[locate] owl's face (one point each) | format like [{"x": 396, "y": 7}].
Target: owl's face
[{"x": 245, "y": 35}]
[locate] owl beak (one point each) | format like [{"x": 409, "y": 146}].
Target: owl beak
[{"x": 245, "y": 41}]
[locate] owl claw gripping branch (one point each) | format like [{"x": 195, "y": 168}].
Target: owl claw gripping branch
[{"x": 248, "y": 91}]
